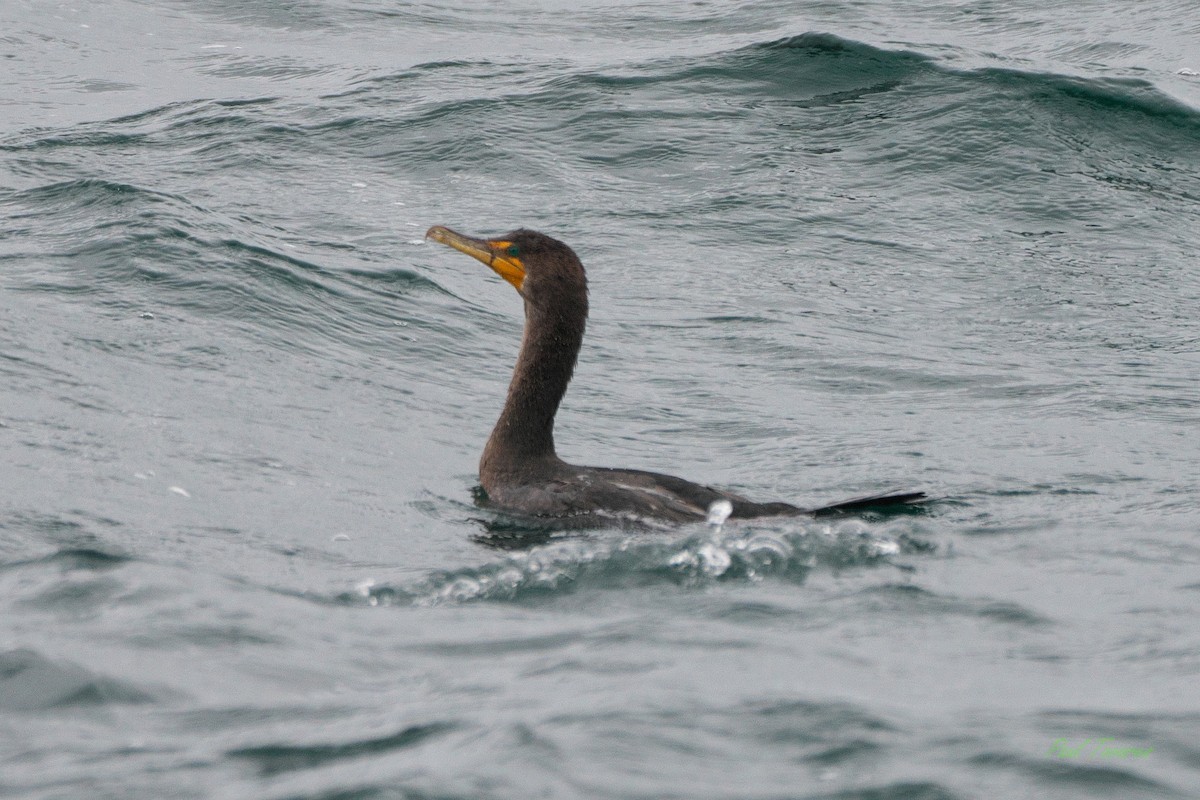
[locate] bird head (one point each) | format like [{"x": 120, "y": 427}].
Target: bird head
[{"x": 539, "y": 267}]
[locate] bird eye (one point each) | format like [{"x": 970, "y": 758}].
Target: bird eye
[{"x": 513, "y": 250}]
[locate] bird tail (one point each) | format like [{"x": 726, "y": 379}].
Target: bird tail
[{"x": 886, "y": 501}]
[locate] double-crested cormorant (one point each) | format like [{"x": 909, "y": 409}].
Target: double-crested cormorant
[{"x": 519, "y": 469}]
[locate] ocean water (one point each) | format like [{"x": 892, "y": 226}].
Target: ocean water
[{"x": 833, "y": 247}]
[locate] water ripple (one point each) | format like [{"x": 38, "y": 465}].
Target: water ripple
[{"x": 735, "y": 553}]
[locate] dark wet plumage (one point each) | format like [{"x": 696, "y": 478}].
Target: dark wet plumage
[{"x": 520, "y": 470}]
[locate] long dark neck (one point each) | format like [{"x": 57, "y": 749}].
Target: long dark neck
[{"x": 524, "y": 434}]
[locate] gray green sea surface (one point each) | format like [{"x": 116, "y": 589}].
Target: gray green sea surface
[{"x": 833, "y": 248}]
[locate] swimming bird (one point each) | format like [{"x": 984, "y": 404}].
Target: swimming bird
[{"x": 520, "y": 470}]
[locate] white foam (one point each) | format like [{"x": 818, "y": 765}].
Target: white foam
[{"x": 718, "y": 512}]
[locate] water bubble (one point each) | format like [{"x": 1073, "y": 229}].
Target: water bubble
[
  {"x": 766, "y": 548},
  {"x": 682, "y": 559},
  {"x": 462, "y": 589},
  {"x": 885, "y": 547},
  {"x": 714, "y": 559}
]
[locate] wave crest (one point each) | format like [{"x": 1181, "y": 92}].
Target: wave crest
[{"x": 735, "y": 553}]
